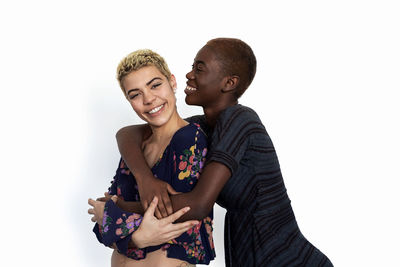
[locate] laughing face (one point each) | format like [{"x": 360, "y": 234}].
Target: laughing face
[
  {"x": 204, "y": 80},
  {"x": 151, "y": 95}
]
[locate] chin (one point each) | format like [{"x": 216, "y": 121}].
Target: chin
[{"x": 191, "y": 102}]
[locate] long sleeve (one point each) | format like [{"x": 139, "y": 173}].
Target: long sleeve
[{"x": 118, "y": 226}]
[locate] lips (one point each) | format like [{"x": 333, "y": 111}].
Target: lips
[
  {"x": 156, "y": 109},
  {"x": 189, "y": 89}
]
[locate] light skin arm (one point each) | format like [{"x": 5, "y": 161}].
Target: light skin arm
[
  {"x": 151, "y": 231},
  {"x": 201, "y": 199}
]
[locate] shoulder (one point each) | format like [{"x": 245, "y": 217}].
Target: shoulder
[
  {"x": 199, "y": 119},
  {"x": 188, "y": 135},
  {"x": 238, "y": 118}
]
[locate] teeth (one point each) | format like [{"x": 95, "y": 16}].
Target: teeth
[
  {"x": 154, "y": 110},
  {"x": 190, "y": 88}
]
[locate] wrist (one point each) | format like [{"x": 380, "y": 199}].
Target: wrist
[
  {"x": 136, "y": 239},
  {"x": 141, "y": 179}
]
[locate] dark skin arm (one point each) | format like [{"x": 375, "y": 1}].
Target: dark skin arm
[
  {"x": 201, "y": 199},
  {"x": 128, "y": 206},
  {"x": 130, "y": 140}
]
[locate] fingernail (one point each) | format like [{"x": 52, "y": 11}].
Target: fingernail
[{"x": 187, "y": 209}]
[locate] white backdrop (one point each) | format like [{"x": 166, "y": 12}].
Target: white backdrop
[{"x": 326, "y": 84}]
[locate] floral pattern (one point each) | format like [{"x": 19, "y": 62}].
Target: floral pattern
[
  {"x": 107, "y": 220},
  {"x": 186, "y": 154},
  {"x": 117, "y": 224},
  {"x": 127, "y": 225},
  {"x": 191, "y": 162}
]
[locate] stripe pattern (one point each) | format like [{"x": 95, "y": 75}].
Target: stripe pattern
[{"x": 260, "y": 226}]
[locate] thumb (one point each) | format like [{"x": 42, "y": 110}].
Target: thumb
[
  {"x": 152, "y": 207},
  {"x": 171, "y": 190}
]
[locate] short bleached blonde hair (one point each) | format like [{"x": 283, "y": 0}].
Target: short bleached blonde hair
[{"x": 139, "y": 59}]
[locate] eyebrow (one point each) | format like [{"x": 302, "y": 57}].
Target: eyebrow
[
  {"x": 199, "y": 62},
  {"x": 148, "y": 83}
]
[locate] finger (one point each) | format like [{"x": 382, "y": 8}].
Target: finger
[
  {"x": 183, "y": 225},
  {"x": 145, "y": 204},
  {"x": 93, "y": 219},
  {"x": 102, "y": 199},
  {"x": 91, "y": 202},
  {"x": 157, "y": 213},
  {"x": 180, "y": 228},
  {"x": 175, "y": 216},
  {"x": 106, "y": 194},
  {"x": 114, "y": 198},
  {"x": 167, "y": 203},
  {"x": 150, "y": 210},
  {"x": 161, "y": 207},
  {"x": 91, "y": 211},
  {"x": 171, "y": 190}
]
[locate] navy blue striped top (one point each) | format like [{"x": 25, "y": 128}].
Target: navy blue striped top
[{"x": 260, "y": 226}]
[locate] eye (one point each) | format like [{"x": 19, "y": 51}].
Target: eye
[
  {"x": 198, "y": 67},
  {"x": 154, "y": 86},
  {"x": 132, "y": 96}
]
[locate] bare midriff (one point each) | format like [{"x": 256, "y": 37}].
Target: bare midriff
[{"x": 156, "y": 258}]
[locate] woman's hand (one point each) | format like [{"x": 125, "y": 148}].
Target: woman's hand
[
  {"x": 153, "y": 187},
  {"x": 97, "y": 209},
  {"x": 152, "y": 231}
]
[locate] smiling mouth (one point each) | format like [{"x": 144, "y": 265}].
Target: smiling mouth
[
  {"x": 154, "y": 110},
  {"x": 190, "y": 89}
]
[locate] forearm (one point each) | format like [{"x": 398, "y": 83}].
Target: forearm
[
  {"x": 198, "y": 209},
  {"x": 203, "y": 196},
  {"x": 130, "y": 206},
  {"x": 118, "y": 226}
]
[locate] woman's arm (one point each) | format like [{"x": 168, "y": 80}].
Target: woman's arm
[
  {"x": 201, "y": 199},
  {"x": 130, "y": 141},
  {"x": 151, "y": 231},
  {"x": 128, "y": 206},
  {"x": 203, "y": 196},
  {"x": 154, "y": 232}
]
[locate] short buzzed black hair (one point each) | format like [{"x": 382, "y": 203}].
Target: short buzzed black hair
[{"x": 236, "y": 58}]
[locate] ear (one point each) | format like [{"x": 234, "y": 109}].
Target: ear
[
  {"x": 231, "y": 83},
  {"x": 172, "y": 82}
]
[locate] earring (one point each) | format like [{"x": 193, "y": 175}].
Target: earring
[{"x": 174, "y": 90}]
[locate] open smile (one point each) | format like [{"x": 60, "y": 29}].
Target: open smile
[
  {"x": 190, "y": 89},
  {"x": 155, "y": 110}
]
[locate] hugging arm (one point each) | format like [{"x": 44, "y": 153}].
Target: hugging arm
[
  {"x": 129, "y": 140},
  {"x": 129, "y": 232},
  {"x": 120, "y": 222},
  {"x": 201, "y": 199}
]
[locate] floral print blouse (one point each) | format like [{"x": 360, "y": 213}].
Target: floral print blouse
[{"x": 180, "y": 165}]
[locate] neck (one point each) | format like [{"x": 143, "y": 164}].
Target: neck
[
  {"x": 212, "y": 113},
  {"x": 166, "y": 131}
]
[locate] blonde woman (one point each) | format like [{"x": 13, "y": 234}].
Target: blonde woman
[{"x": 176, "y": 152}]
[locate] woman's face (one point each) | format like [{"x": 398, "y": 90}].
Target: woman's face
[
  {"x": 204, "y": 80},
  {"x": 151, "y": 95}
]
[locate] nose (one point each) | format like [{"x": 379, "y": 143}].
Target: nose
[
  {"x": 148, "y": 97},
  {"x": 190, "y": 75}
]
